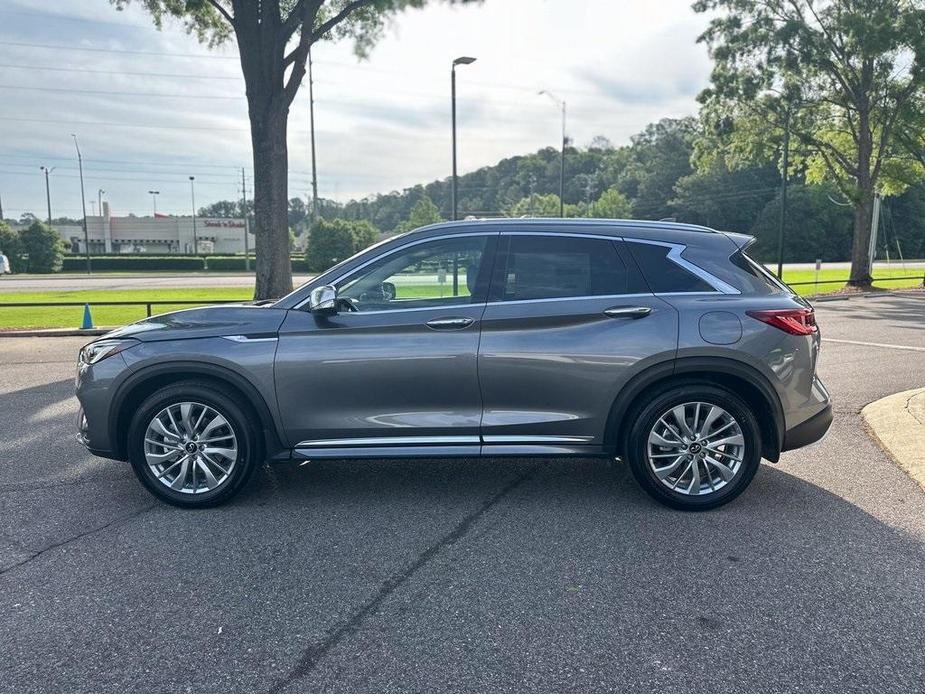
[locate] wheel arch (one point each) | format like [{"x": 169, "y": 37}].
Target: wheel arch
[
  {"x": 147, "y": 380},
  {"x": 739, "y": 377}
]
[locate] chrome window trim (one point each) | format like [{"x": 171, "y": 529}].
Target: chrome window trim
[
  {"x": 674, "y": 255},
  {"x": 349, "y": 274}
]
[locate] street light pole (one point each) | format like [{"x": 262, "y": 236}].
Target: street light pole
[
  {"x": 783, "y": 196},
  {"x": 99, "y": 196},
  {"x": 192, "y": 191},
  {"x": 48, "y": 190},
  {"x": 311, "y": 122},
  {"x": 83, "y": 201},
  {"x": 561, "y": 103},
  {"x": 464, "y": 60},
  {"x": 154, "y": 194}
]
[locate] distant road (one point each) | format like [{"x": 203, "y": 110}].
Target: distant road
[{"x": 71, "y": 282}]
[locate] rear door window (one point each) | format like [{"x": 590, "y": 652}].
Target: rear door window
[{"x": 552, "y": 267}]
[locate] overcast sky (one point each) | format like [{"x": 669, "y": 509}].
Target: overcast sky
[{"x": 152, "y": 108}]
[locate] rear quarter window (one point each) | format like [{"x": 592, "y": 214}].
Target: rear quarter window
[{"x": 663, "y": 275}]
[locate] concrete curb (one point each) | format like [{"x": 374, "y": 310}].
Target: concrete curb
[
  {"x": 55, "y": 332},
  {"x": 897, "y": 422}
]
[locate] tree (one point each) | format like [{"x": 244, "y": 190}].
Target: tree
[
  {"x": 11, "y": 247},
  {"x": 423, "y": 213},
  {"x": 611, "y": 205},
  {"x": 43, "y": 246},
  {"x": 274, "y": 38},
  {"x": 844, "y": 75},
  {"x": 536, "y": 205},
  {"x": 330, "y": 241}
]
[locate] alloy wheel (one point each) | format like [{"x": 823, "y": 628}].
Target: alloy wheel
[
  {"x": 190, "y": 447},
  {"x": 695, "y": 448}
]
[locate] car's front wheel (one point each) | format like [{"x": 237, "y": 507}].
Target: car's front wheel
[
  {"x": 192, "y": 445},
  {"x": 694, "y": 447}
]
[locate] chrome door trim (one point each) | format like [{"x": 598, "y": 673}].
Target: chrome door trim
[
  {"x": 516, "y": 439},
  {"x": 628, "y": 311},
  {"x": 389, "y": 441},
  {"x": 248, "y": 338}
]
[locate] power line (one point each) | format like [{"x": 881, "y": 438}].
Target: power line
[
  {"x": 122, "y": 125},
  {"x": 94, "y": 49},
  {"x": 237, "y": 78},
  {"x": 120, "y": 93}
]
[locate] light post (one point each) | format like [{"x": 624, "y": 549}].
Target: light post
[
  {"x": 47, "y": 189},
  {"x": 783, "y": 196},
  {"x": 311, "y": 121},
  {"x": 464, "y": 60},
  {"x": 192, "y": 192},
  {"x": 247, "y": 258},
  {"x": 83, "y": 201},
  {"x": 154, "y": 194},
  {"x": 99, "y": 197},
  {"x": 561, "y": 103}
]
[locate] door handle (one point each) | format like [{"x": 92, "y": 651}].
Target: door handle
[
  {"x": 627, "y": 311},
  {"x": 449, "y": 323}
]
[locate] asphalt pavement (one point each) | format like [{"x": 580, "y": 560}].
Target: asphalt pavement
[{"x": 467, "y": 576}]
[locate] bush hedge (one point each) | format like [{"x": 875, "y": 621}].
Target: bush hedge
[{"x": 153, "y": 263}]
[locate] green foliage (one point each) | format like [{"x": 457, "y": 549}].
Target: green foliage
[
  {"x": 816, "y": 228},
  {"x": 844, "y": 77},
  {"x": 137, "y": 263},
  {"x": 535, "y": 205},
  {"x": 611, "y": 205},
  {"x": 11, "y": 246},
  {"x": 331, "y": 241},
  {"x": 43, "y": 246},
  {"x": 423, "y": 213}
]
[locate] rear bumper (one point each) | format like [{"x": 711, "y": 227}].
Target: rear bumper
[{"x": 810, "y": 431}]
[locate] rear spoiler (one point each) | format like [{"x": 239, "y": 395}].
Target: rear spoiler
[{"x": 741, "y": 241}]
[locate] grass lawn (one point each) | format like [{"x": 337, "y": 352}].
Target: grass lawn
[{"x": 72, "y": 316}]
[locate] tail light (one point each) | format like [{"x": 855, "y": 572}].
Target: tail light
[{"x": 796, "y": 321}]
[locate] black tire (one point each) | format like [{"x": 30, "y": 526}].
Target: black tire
[
  {"x": 644, "y": 418},
  {"x": 240, "y": 421}
]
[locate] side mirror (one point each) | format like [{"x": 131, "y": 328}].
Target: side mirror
[{"x": 323, "y": 300}]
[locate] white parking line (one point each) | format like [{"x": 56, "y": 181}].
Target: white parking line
[{"x": 874, "y": 344}]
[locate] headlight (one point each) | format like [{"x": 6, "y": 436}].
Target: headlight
[{"x": 97, "y": 351}]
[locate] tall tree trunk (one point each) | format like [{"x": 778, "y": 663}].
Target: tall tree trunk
[
  {"x": 860, "y": 260},
  {"x": 271, "y": 200}
]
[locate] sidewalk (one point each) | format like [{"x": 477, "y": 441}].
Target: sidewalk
[{"x": 898, "y": 423}]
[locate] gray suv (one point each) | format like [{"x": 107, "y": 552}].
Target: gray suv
[{"x": 662, "y": 344}]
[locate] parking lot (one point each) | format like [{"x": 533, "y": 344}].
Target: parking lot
[{"x": 476, "y": 576}]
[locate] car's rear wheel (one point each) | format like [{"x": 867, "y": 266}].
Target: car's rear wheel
[
  {"x": 694, "y": 447},
  {"x": 192, "y": 445}
]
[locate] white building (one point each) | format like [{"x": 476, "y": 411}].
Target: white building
[{"x": 158, "y": 235}]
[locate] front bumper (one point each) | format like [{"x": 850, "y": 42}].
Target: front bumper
[{"x": 810, "y": 431}]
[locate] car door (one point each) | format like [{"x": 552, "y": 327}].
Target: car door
[
  {"x": 568, "y": 323},
  {"x": 397, "y": 375}
]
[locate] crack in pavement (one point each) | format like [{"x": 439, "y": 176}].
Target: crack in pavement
[
  {"x": 38, "y": 553},
  {"x": 312, "y": 655}
]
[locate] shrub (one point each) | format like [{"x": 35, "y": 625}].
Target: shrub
[
  {"x": 134, "y": 263},
  {"x": 43, "y": 246},
  {"x": 330, "y": 241},
  {"x": 11, "y": 246}
]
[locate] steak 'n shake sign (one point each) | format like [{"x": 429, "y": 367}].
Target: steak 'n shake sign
[{"x": 224, "y": 223}]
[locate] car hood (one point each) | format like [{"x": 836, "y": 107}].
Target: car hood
[{"x": 208, "y": 321}]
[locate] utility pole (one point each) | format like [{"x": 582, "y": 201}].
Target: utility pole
[
  {"x": 47, "y": 190},
  {"x": 83, "y": 201},
  {"x": 561, "y": 104},
  {"x": 311, "y": 120},
  {"x": 464, "y": 60},
  {"x": 192, "y": 192},
  {"x": 247, "y": 261},
  {"x": 99, "y": 196},
  {"x": 783, "y": 196},
  {"x": 874, "y": 232}
]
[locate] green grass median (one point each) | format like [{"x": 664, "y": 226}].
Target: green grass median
[{"x": 71, "y": 316}]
